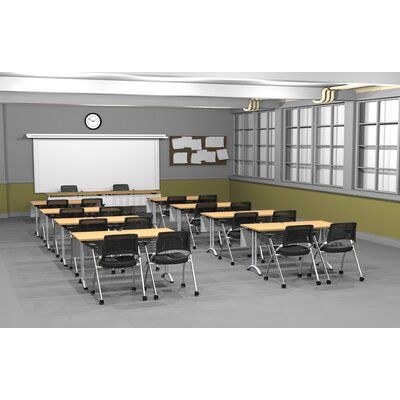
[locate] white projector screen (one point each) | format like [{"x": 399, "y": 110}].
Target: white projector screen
[{"x": 95, "y": 164}]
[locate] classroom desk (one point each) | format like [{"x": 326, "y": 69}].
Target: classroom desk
[
  {"x": 61, "y": 222},
  {"x": 153, "y": 202},
  {"x": 84, "y": 237},
  {"x": 223, "y": 215},
  {"x": 274, "y": 227},
  {"x": 177, "y": 209}
]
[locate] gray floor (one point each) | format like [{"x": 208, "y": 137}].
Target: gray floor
[{"x": 37, "y": 291}]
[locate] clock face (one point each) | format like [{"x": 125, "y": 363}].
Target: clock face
[{"x": 93, "y": 121}]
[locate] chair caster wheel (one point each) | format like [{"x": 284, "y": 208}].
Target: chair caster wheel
[
  {"x": 183, "y": 285},
  {"x": 122, "y": 271},
  {"x": 308, "y": 275},
  {"x": 155, "y": 297},
  {"x": 157, "y": 268},
  {"x": 197, "y": 233},
  {"x": 144, "y": 298},
  {"x": 299, "y": 275},
  {"x": 85, "y": 288},
  {"x": 219, "y": 258},
  {"x": 80, "y": 280},
  {"x": 58, "y": 256},
  {"x": 249, "y": 255},
  {"x": 328, "y": 282},
  {"x": 341, "y": 272},
  {"x": 283, "y": 286},
  {"x": 262, "y": 261},
  {"x": 196, "y": 293},
  {"x": 61, "y": 260},
  {"x": 101, "y": 302},
  {"x": 318, "y": 283},
  {"x": 232, "y": 263},
  {"x": 194, "y": 247},
  {"x": 265, "y": 278},
  {"x": 112, "y": 272},
  {"x": 92, "y": 292},
  {"x": 361, "y": 278},
  {"x": 133, "y": 289}
]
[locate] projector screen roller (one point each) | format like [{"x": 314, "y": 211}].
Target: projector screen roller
[{"x": 95, "y": 164}]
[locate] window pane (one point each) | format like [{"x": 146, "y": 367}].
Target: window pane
[
  {"x": 305, "y": 156},
  {"x": 271, "y": 171},
  {"x": 240, "y": 168},
  {"x": 262, "y": 138},
  {"x": 291, "y": 117},
  {"x": 291, "y": 172},
  {"x": 368, "y": 135},
  {"x": 368, "y": 112},
  {"x": 338, "y": 136},
  {"x": 324, "y": 115},
  {"x": 367, "y": 158},
  {"x": 249, "y": 169},
  {"x": 240, "y": 137},
  {"x": 387, "y": 182},
  {"x": 271, "y": 136},
  {"x": 291, "y": 154},
  {"x": 304, "y": 174},
  {"x": 305, "y": 136},
  {"x": 305, "y": 116},
  {"x": 388, "y": 135},
  {"x": 324, "y": 136},
  {"x": 241, "y": 121},
  {"x": 366, "y": 179},
  {"x": 262, "y": 154},
  {"x": 389, "y": 111},
  {"x": 324, "y": 156},
  {"x": 337, "y": 155},
  {"x": 263, "y": 120},
  {"x": 388, "y": 159},
  {"x": 291, "y": 136},
  {"x": 337, "y": 177},
  {"x": 249, "y": 153},
  {"x": 249, "y": 121},
  {"x": 338, "y": 114},
  {"x": 271, "y": 154},
  {"x": 262, "y": 170},
  {"x": 249, "y": 137},
  {"x": 271, "y": 123},
  {"x": 323, "y": 175}
]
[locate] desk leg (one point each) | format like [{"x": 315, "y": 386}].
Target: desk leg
[
  {"x": 178, "y": 219},
  {"x": 82, "y": 273},
  {"x": 37, "y": 221},
  {"x": 173, "y": 214},
  {"x": 254, "y": 250},
  {"x": 212, "y": 237},
  {"x": 63, "y": 245},
  {"x": 154, "y": 208},
  {"x": 47, "y": 232}
]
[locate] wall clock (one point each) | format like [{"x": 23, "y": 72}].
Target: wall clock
[{"x": 93, "y": 121}]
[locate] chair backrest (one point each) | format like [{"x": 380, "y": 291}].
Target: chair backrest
[
  {"x": 110, "y": 211},
  {"x": 69, "y": 188},
  {"x": 298, "y": 234},
  {"x": 241, "y": 206},
  {"x": 244, "y": 218},
  {"x": 121, "y": 186},
  {"x": 342, "y": 231},
  {"x": 75, "y": 212},
  {"x": 207, "y": 198},
  {"x": 171, "y": 241},
  {"x": 61, "y": 203},
  {"x": 119, "y": 245},
  {"x": 205, "y": 207},
  {"x": 91, "y": 225},
  {"x": 91, "y": 202},
  {"x": 138, "y": 223},
  {"x": 176, "y": 199},
  {"x": 284, "y": 216}
]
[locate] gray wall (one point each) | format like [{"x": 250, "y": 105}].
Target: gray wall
[{"x": 20, "y": 119}]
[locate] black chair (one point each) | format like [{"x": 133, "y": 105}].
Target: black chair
[
  {"x": 173, "y": 248},
  {"x": 234, "y": 232},
  {"x": 120, "y": 187},
  {"x": 207, "y": 198},
  {"x": 110, "y": 211},
  {"x": 341, "y": 239},
  {"x": 138, "y": 223},
  {"x": 69, "y": 188},
  {"x": 59, "y": 203},
  {"x": 118, "y": 251},
  {"x": 165, "y": 212},
  {"x": 77, "y": 212},
  {"x": 240, "y": 206},
  {"x": 91, "y": 202},
  {"x": 297, "y": 241},
  {"x": 195, "y": 220}
]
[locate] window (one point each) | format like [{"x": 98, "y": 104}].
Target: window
[
  {"x": 329, "y": 145},
  {"x": 265, "y": 151},
  {"x": 298, "y": 144},
  {"x": 255, "y": 144},
  {"x": 377, "y": 156}
]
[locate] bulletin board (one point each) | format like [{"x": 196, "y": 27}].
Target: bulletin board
[{"x": 198, "y": 150}]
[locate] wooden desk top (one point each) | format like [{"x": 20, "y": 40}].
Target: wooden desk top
[
  {"x": 230, "y": 214},
  {"x": 120, "y": 219},
  {"x": 281, "y": 226},
  {"x": 99, "y": 235},
  {"x": 192, "y": 206},
  {"x": 102, "y": 192},
  {"x": 55, "y": 211},
  {"x": 40, "y": 203},
  {"x": 165, "y": 198}
]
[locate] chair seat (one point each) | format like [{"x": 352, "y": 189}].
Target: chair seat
[
  {"x": 118, "y": 262},
  {"x": 295, "y": 250},
  {"x": 195, "y": 221},
  {"x": 170, "y": 258},
  {"x": 234, "y": 234},
  {"x": 336, "y": 247},
  {"x": 166, "y": 213}
]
